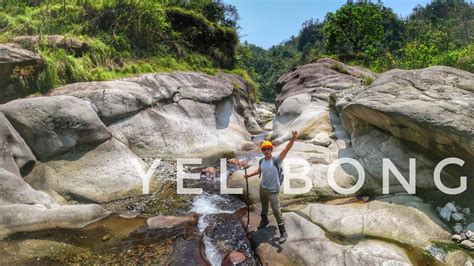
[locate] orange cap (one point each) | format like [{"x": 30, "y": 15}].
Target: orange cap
[{"x": 266, "y": 144}]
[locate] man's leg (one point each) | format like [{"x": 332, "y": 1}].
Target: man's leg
[
  {"x": 264, "y": 200},
  {"x": 275, "y": 203}
]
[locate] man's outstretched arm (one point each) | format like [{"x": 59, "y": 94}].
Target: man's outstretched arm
[
  {"x": 288, "y": 146},
  {"x": 256, "y": 172}
]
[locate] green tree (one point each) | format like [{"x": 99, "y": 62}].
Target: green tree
[
  {"x": 354, "y": 28},
  {"x": 214, "y": 10}
]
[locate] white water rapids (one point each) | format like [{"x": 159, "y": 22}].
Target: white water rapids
[{"x": 204, "y": 205}]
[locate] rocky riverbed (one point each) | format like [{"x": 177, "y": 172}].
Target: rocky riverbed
[{"x": 74, "y": 162}]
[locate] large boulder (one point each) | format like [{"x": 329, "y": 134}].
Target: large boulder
[
  {"x": 19, "y": 69},
  {"x": 320, "y": 79},
  {"x": 174, "y": 115},
  {"x": 23, "y": 209},
  {"x": 265, "y": 112},
  {"x": 26, "y": 218},
  {"x": 14, "y": 190},
  {"x": 15, "y": 155},
  {"x": 108, "y": 172},
  {"x": 388, "y": 218},
  {"x": 425, "y": 114},
  {"x": 113, "y": 100},
  {"x": 308, "y": 244},
  {"x": 53, "y": 125},
  {"x": 303, "y": 100}
]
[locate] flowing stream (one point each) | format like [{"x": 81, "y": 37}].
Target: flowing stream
[
  {"x": 125, "y": 237},
  {"x": 204, "y": 205}
]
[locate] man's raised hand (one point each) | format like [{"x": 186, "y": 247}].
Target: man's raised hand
[{"x": 294, "y": 133}]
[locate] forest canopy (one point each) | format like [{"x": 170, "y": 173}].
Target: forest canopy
[{"x": 370, "y": 34}]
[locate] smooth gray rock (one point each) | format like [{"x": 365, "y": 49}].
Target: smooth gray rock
[
  {"x": 457, "y": 228},
  {"x": 457, "y": 217},
  {"x": 13, "y": 190},
  {"x": 174, "y": 115},
  {"x": 382, "y": 220},
  {"x": 470, "y": 227},
  {"x": 53, "y": 125},
  {"x": 451, "y": 207},
  {"x": 108, "y": 172},
  {"x": 445, "y": 214},
  {"x": 320, "y": 79},
  {"x": 470, "y": 235},
  {"x": 428, "y": 109},
  {"x": 308, "y": 244},
  {"x": 26, "y": 218},
  {"x": 303, "y": 100},
  {"x": 114, "y": 99},
  {"x": 15, "y": 155}
]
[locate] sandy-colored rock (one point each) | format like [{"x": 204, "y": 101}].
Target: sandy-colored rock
[
  {"x": 459, "y": 257},
  {"x": 322, "y": 139}
]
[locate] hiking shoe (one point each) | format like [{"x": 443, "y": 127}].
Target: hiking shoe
[
  {"x": 283, "y": 238},
  {"x": 264, "y": 222},
  {"x": 283, "y": 234}
]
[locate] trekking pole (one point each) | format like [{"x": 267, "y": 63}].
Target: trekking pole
[
  {"x": 244, "y": 164},
  {"x": 248, "y": 200}
]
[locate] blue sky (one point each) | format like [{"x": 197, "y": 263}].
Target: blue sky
[{"x": 269, "y": 22}]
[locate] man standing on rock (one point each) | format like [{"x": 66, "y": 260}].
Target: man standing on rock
[{"x": 271, "y": 172}]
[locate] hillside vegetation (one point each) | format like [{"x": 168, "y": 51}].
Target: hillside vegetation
[
  {"x": 117, "y": 38},
  {"x": 371, "y": 35}
]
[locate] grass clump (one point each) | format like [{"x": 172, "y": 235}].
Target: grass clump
[
  {"x": 367, "y": 80},
  {"x": 339, "y": 68}
]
